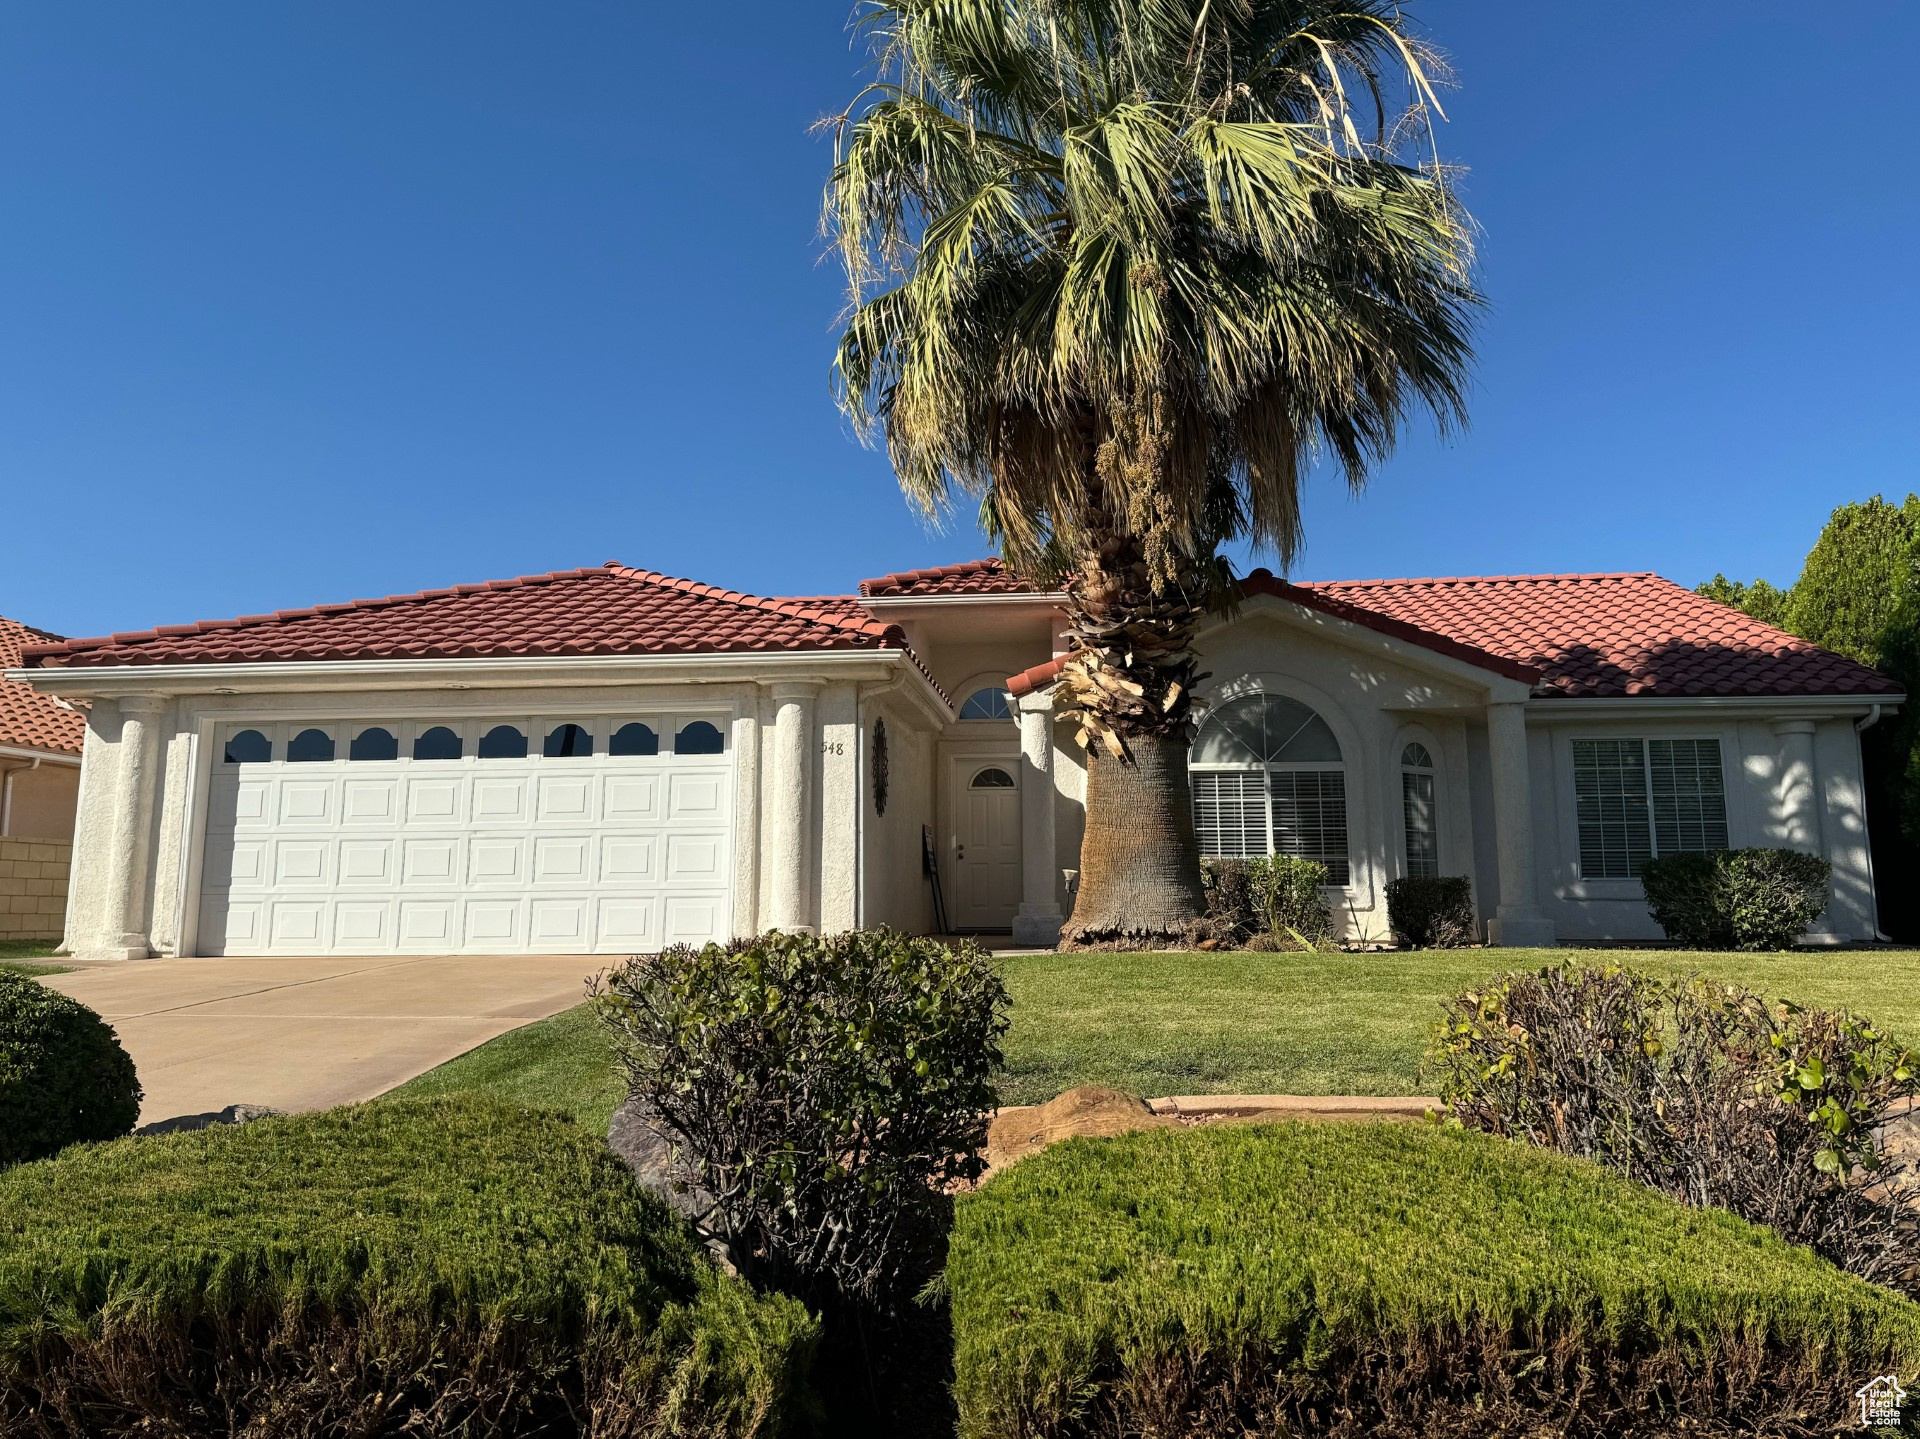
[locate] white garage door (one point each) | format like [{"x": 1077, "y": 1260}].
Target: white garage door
[{"x": 478, "y": 836}]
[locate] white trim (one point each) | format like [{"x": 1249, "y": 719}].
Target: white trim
[
  {"x": 1812, "y": 707},
  {"x": 1049, "y": 599},
  {"x": 44, "y": 756}
]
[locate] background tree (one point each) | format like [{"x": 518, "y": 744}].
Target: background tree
[
  {"x": 1859, "y": 595},
  {"x": 1123, "y": 271}
]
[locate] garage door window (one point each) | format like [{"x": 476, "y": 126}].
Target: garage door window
[
  {"x": 569, "y": 741},
  {"x": 249, "y": 747},
  {"x": 634, "y": 739},
  {"x": 374, "y": 744},
  {"x": 698, "y": 738},
  {"x": 310, "y": 746},
  {"x": 437, "y": 743},
  {"x": 503, "y": 742}
]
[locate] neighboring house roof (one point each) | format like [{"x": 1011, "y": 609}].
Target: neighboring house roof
[
  {"x": 29, "y": 719},
  {"x": 1579, "y": 636},
  {"x": 975, "y": 577},
  {"x": 612, "y": 610}
]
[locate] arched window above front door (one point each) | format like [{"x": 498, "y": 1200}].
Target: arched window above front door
[
  {"x": 992, "y": 778},
  {"x": 1268, "y": 778},
  {"x": 989, "y": 703}
]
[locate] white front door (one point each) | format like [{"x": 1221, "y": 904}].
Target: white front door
[
  {"x": 591, "y": 835},
  {"x": 986, "y": 843}
]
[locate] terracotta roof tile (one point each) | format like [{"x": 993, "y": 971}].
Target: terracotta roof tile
[
  {"x": 1578, "y": 635},
  {"x": 1613, "y": 634},
  {"x": 975, "y": 577},
  {"x": 29, "y": 719},
  {"x": 609, "y": 610}
]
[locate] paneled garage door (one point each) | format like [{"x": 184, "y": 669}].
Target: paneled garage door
[{"x": 487, "y": 836}]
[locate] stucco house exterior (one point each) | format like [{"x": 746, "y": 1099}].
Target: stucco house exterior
[
  {"x": 40, "y": 740},
  {"x": 608, "y": 760}
]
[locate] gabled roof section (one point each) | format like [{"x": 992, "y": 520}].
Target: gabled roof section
[
  {"x": 29, "y": 719},
  {"x": 975, "y": 577},
  {"x": 1578, "y": 636},
  {"x": 1614, "y": 635},
  {"x": 612, "y": 610}
]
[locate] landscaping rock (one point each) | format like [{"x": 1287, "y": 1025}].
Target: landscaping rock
[
  {"x": 232, "y": 1114},
  {"x": 1091, "y": 1111},
  {"x": 637, "y": 1137}
]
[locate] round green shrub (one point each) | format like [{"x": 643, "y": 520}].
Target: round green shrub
[
  {"x": 64, "y": 1079},
  {"x": 1751, "y": 899}
]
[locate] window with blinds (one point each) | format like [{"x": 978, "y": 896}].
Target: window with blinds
[
  {"x": 1267, "y": 779},
  {"x": 1423, "y": 836},
  {"x": 1635, "y": 799}
]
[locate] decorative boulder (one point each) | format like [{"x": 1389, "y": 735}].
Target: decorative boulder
[
  {"x": 644, "y": 1146},
  {"x": 1092, "y": 1111},
  {"x": 232, "y": 1114}
]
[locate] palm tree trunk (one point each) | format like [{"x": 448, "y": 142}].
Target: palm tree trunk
[
  {"x": 1128, "y": 683},
  {"x": 1139, "y": 862}
]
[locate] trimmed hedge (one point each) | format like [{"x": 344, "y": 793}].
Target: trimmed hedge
[
  {"x": 1432, "y": 912},
  {"x": 1387, "y": 1279},
  {"x": 1751, "y": 899},
  {"x": 64, "y": 1079},
  {"x": 447, "y": 1265}
]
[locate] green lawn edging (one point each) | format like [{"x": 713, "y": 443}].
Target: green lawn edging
[{"x": 1245, "y": 1279}]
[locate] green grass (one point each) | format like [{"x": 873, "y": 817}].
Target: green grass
[
  {"x": 562, "y": 1063},
  {"x": 13, "y": 950},
  {"x": 1111, "y": 1272},
  {"x": 457, "y": 1215},
  {"x": 1233, "y": 1023}
]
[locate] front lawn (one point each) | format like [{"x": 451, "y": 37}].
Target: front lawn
[{"x": 1233, "y": 1023}]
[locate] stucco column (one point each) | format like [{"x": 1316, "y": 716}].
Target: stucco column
[
  {"x": 1798, "y": 794},
  {"x": 132, "y": 823},
  {"x": 1037, "y": 923},
  {"x": 1518, "y": 922},
  {"x": 789, "y": 809}
]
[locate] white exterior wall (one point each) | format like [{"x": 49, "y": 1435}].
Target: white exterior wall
[
  {"x": 1761, "y": 810},
  {"x": 895, "y": 887},
  {"x": 1375, "y": 705}
]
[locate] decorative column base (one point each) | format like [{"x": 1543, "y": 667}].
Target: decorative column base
[
  {"x": 1521, "y": 930},
  {"x": 1037, "y": 926}
]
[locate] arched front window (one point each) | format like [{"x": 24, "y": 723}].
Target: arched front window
[
  {"x": 1417, "y": 798},
  {"x": 503, "y": 742},
  {"x": 1268, "y": 778},
  {"x": 699, "y": 738},
  {"x": 993, "y": 778},
  {"x": 635, "y": 738},
  {"x": 569, "y": 741},
  {"x": 990, "y": 703},
  {"x": 310, "y": 746}
]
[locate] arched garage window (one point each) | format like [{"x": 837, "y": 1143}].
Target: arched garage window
[
  {"x": 632, "y": 739},
  {"x": 437, "y": 743},
  {"x": 249, "y": 747},
  {"x": 503, "y": 742},
  {"x": 569, "y": 741},
  {"x": 699, "y": 738},
  {"x": 374, "y": 744},
  {"x": 310, "y": 746},
  {"x": 1268, "y": 778}
]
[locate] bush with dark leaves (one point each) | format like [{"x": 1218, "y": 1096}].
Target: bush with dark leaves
[
  {"x": 1705, "y": 1092},
  {"x": 64, "y": 1079},
  {"x": 1753, "y": 899},
  {"x": 1432, "y": 911}
]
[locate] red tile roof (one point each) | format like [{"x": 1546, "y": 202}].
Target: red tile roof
[
  {"x": 1616, "y": 634},
  {"x": 612, "y": 610},
  {"x": 29, "y": 719},
  {"x": 975, "y": 577},
  {"x": 1578, "y": 635}
]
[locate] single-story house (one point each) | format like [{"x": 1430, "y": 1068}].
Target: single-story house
[
  {"x": 40, "y": 739},
  {"x": 609, "y": 760}
]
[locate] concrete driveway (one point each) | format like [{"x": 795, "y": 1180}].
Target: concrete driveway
[{"x": 311, "y": 1033}]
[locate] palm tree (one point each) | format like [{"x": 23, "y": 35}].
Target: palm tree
[{"x": 1124, "y": 271}]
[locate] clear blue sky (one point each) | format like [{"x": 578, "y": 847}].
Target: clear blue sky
[{"x": 305, "y": 301}]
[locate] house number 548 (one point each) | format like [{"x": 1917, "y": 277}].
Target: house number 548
[{"x": 833, "y": 746}]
